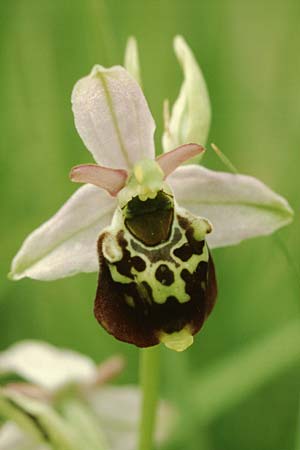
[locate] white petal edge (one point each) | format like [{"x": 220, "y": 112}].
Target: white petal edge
[
  {"x": 113, "y": 118},
  {"x": 47, "y": 366},
  {"x": 131, "y": 59},
  {"x": 12, "y": 438},
  {"x": 238, "y": 206},
  {"x": 191, "y": 112},
  {"x": 67, "y": 243},
  {"x": 38, "y": 419},
  {"x": 112, "y": 404}
]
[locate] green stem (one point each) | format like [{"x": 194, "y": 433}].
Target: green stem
[{"x": 149, "y": 381}]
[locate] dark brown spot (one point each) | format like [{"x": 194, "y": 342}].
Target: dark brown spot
[
  {"x": 196, "y": 281},
  {"x": 164, "y": 275},
  {"x": 197, "y": 246},
  {"x": 184, "y": 252},
  {"x": 186, "y": 275},
  {"x": 183, "y": 222},
  {"x": 192, "y": 246},
  {"x": 138, "y": 263},
  {"x": 125, "y": 265}
]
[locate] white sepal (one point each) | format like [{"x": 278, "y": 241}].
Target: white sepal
[
  {"x": 113, "y": 118},
  {"x": 131, "y": 59},
  {"x": 13, "y": 438},
  {"x": 191, "y": 112},
  {"x": 47, "y": 366},
  {"x": 67, "y": 243},
  {"x": 112, "y": 406},
  {"x": 238, "y": 206},
  {"x": 38, "y": 420}
]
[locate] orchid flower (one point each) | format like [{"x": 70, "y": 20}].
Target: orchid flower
[
  {"x": 148, "y": 223},
  {"x": 60, "y": 401}
]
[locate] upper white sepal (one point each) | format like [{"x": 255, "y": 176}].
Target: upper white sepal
[
  {"x": 191, "y": 112},
  {"x": 113, "y": 118}
]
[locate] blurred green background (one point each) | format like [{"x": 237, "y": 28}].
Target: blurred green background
[{"x": 249, "y": 53}]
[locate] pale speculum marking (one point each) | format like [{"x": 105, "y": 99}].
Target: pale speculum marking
[{"x": 159, "y": 267}]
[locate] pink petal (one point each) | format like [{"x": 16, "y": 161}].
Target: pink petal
[
  {"x": 112, "y": 180},
  {"x": 171, "y": 160}
]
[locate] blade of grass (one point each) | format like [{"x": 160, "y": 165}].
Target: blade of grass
[{"x": 228, "y": 382}]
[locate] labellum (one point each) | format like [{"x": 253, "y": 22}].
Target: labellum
[{"x": 157, "y": 280}]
